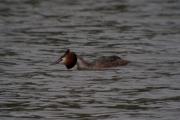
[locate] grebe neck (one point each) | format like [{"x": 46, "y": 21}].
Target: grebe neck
[{"x": 82, "y": 64}]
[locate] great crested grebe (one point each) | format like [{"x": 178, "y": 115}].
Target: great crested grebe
[{"x": 70, "y": 59}]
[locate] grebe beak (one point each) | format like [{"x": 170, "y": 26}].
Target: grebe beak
[{"x": 57, "y": 61}]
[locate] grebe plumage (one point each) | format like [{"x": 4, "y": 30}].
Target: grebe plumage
[{"x": 70, "y": 59}]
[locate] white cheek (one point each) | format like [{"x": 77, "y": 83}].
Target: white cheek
[{"x": 63, "y": 60}]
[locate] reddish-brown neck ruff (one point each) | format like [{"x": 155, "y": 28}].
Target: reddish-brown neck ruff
[{"x": 69, "y": 59}]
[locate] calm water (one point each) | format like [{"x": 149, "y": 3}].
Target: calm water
[{"x": 33, "y": 33}]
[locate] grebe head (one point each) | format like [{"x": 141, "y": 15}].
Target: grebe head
[{"x": 69, "y": 59}]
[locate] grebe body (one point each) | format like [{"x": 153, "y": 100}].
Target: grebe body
[{"x": 70, "y": 59}]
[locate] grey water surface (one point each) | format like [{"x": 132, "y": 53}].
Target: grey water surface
[{"x": 34, "y": 33}]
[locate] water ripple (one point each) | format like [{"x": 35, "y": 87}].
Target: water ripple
[{"x": 34, "y": 33}]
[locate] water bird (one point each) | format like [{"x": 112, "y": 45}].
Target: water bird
[{"x": 70, "y": 59}]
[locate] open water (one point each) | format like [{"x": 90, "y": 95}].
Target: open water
[{"x": 34, "y": 33}]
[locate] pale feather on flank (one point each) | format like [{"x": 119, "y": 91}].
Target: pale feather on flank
[{"x": 70, "y": 59}]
